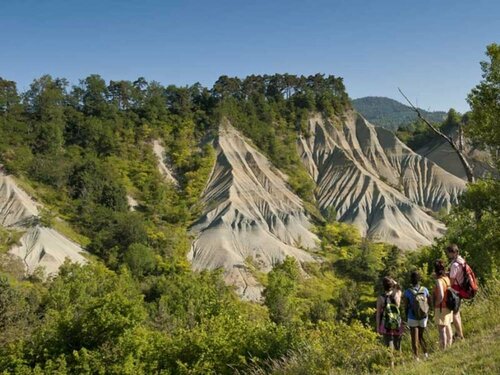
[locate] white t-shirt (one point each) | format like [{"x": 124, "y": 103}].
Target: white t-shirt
[{"x": 457, "y": 271}]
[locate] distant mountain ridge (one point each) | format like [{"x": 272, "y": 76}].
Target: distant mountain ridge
[{"x": 389, "y": 113}]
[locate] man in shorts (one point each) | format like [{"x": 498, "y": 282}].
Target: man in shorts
[{"x": 457, "y": 278}]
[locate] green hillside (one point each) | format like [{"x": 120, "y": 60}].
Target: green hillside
[
  {"x": 138, "y": 307},
  {"x": 390, "y": 113}
]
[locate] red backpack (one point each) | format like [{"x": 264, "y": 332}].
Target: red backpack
[{"x": 469, "y": 286}]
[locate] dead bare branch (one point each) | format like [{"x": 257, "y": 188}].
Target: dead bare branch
[{"x": 468, "y": 169}]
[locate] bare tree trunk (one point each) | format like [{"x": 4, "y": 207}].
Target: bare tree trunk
[
  {"x": 458, "y": 149},
  {"x": 461, "y": 136}
]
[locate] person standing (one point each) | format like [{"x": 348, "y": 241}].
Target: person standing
[
  {"x": 457, "y": 279},
  {"x": 417, "y": 301},
  {"x": 388, "y": 317},
  {"x": 442, "y": 315}
]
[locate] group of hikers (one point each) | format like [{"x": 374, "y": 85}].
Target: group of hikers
[{"x": 452, "y": 285}]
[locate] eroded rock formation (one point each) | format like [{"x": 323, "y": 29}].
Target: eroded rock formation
[
  {"x": 250, "y": 213},
  {"x": 372, "y": 180},
  {"x": 39, "y": 246}
]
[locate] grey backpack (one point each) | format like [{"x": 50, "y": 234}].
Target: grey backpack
[{"x": 419, "y": 304}]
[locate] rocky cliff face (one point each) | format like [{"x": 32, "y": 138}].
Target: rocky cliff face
[
  {"x": 39, "y": 246},
  {"x": 440, "y": 152},
  {"x": 372, "y": 180},
  {"x": 364, "y": 174},
  {"x": 16, "y": 207},
  {"x": 46, "y": 248},
  {"x": 165, "y": 171},
  {"x": 250, "y": 212}
]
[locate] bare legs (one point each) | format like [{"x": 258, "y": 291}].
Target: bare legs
[
  {"x": 414, "y": 340},
  {"x": 394, "y": 343},
  {"x": 457, "y": 322},
  {"x": 421, "y": 339},
  {"x": 417, "y": 340},
  {"x": 445, "y": 336}
]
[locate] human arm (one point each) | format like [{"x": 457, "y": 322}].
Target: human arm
[
  {"x": 454, "y": 272},
  {"x": 430, "y": 302},
  {"x": 397, "y": 297},
  {"x": 379, "y": 313},
  {"x": 406, "y": 305},
  {"x": 439, "y": 293}
]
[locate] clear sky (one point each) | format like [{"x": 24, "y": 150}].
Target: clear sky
[{"x": 430, "y": 48}]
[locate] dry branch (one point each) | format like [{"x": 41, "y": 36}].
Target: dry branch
[{"x": 459, "y": 150}]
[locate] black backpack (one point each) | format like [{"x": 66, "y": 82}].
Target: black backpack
[{"x": 452, "y": 299}]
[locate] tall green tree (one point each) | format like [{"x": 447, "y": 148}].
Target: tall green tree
[
  {"x": 95, "y": 96},
  {"x": 484, "y": 101},
  {"x": 8, "y": 95},
  {"x": 45, "y": 103},
  {"x": 281, "y": 288}
]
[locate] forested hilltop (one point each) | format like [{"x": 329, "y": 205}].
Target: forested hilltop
[
  {"x": 390, "y": 113},
  {"x": 137, "y": 307}
]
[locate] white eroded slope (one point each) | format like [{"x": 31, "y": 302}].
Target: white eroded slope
[
  {"x": 420, "y": 179},
  {"x": 16, "y": 207},
  {"x": 375, "y": 182},
  {"x": 47, "y": 248},
  {"x": 249, "y": 212},
  {"x": 39, "y": 246},
  {"x": 440, "y": 152},
  {"x": 132, "y": 203},
  {"x": 159, "y": 151}
]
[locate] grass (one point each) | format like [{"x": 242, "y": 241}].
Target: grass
[
  {"x": 8, "y": 238},
  {"x": 253, "y": 268},
  {"x": 66, "y": 230},
  {"x": 477, "y": 354}
]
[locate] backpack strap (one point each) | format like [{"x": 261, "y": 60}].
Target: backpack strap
[
  {"x": 384, "y": 296},
  {"x": 444, "y": 294},
  {"x": 387, "y": 299},
  {"x": 464, "y": 272},
  {"x": 414, "y": 292},
  {"x": 412, "y": 302}
]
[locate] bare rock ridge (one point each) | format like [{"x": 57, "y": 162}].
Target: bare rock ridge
[
  {"x": 166, "y": 172},
  {"x": 420, "y": 179},
  {"x": 39, "y": 246},
  {"x": 16, "y": 207},
  {"x": 132, "y": 203},
  {"x": 440, "y": 152},
  {"x": 47, "y": 248},
  {"x": 369, "y": 177},
  {"x": 249, "y": 212},
  {"x": 374, "y": 181}
]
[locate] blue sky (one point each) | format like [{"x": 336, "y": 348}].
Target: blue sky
[{"x": 431, "y": 49}]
